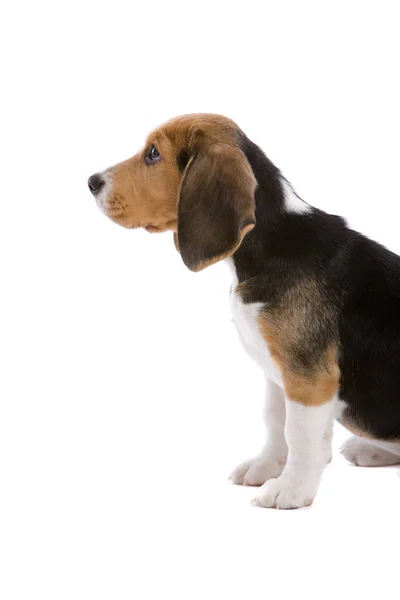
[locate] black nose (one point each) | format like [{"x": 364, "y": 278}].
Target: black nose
[{"x": 95, "y": 183}]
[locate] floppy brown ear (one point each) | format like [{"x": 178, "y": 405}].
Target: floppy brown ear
[{"x": 216, "y": 205}]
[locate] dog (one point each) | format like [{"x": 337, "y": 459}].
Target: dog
[{"x": 316, "y": 304}]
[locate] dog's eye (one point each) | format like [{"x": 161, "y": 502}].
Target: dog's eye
[{"x": 153, "y": 155}]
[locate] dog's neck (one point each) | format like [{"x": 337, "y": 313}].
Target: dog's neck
[{"x": 289, "y": 236}]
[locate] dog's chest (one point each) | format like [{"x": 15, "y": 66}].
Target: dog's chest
[{"x": 245, "y": 318}]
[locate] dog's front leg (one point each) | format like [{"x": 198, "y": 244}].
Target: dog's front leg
[
  {"x": 308, "y": 432},
  {"x": 272, "y": 458}
]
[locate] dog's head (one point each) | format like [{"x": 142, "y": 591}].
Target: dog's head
[{"x": 191, "y": 177}]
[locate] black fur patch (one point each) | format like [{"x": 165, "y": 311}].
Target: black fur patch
[{"x": 358, "y": 279}]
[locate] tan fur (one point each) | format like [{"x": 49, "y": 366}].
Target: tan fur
[
  {"x": 290, "y": 330},
  {"x": 147, "y": 195},
  {"x": 315, "y": 387},
  {"x": 143, "y": 196}
]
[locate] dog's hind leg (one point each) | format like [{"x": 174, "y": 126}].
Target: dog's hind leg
[{"x": 371, "y": 453}]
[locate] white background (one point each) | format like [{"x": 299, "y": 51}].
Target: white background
[{"x": 126, "y": 398}]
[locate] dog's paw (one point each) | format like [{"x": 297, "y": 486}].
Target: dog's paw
[
  {"x": 257, "y": 471},
  {"x": 284, "y": 493},
  {"x": 364, "y": 454}
]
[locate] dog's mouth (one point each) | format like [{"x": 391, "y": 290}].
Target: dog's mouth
[{"x": 115, "y": 206}]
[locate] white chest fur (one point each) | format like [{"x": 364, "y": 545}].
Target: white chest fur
[{"x": 245, "y": 318}]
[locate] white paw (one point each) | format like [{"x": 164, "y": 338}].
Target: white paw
[
  {"x": 257, "y": 470},
  {"x": 285, "y": 492},
  {"x": 364, "y": 454}
]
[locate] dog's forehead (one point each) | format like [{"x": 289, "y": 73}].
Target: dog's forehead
[{"x": 180, "y": 129}]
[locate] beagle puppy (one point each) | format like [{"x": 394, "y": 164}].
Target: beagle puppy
[{"x": 316, "y": 304}]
